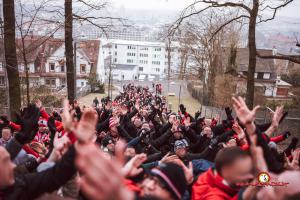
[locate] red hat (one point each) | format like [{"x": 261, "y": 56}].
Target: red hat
[
  {"x": 42, "y": 122},
  {"x": 112, "y": 122}
]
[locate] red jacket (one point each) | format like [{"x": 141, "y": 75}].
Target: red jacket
[{"x": 211, "y": 187}]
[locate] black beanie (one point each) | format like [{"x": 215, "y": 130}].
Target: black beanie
[
  {"x": 106, "y": 141},
  {"x": 173, "y": 176}
]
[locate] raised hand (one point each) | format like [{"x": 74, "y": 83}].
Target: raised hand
[
  {"x": 167, "y": 158},
  {"x": 38, "y": 103},
  {"x": 101, "y": 177},
  {"x": 245, "y": 115},
  {"x": 294, "y": 164},
  {"x": 257, "y": 156},
  {"x": 28, "y": 119},
  {"x": 67, "y": 117},
  {"x": 60, "y": 147},
  {"x": 132, "y": 167},
  {"x": 238, "y": 130},
  {"x": 86, "y": 127},
  {"x": 188, "y": 171},
  {"x": 187, "y": 122},
  {"x": 277, "y": 115}
]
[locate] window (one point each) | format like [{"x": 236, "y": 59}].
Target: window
[
  {"x": 144, "y": 55},
  {"x": 143, "y": 61},
  {"x": 63, "y": 81},
  {"x": 155, "y": 62},
  {"x": 51, "y": 67},
  {"x": 62, "y": 68},
  {"x": 266, "y": 76},
  {"x": 260, "y": 75},
  {"x": 157, "y": 49},
  {"x": 82, "y": 69},
  {"x": 51, "y": 83},
  {"x": 129, "y": 61},
  {"x": 157, "y": 69},
  {"x": 144, "y": 49},
  {"x": 82, "y": 83},
  {"x": 116, "y": 53},
  {"x": 115, "y": 60},
  {"x": 130, "y": 47},
  {"x": 2, "y": 80},
  {"x": 255, "y": 75},
  {"x": 116, "y": 46},
  {"x": 130, "y": 54},
  {"x": 141, "y": 69}
]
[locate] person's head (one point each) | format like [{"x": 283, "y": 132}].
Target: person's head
[
  {"x": 129, "y": 152},
  {"x": 108, "y": 143},
  {"x": 180, "y": 148},
  {"x": 172, "y": 118},
  {"x": 234, "y": 165},
  {"x": 167, "y": 182},
  {"x": 137, "y": 122},
  {"x": 146, "y": 126},
  {"x": 6, "y": 133},
  {"x": 291, "y": 191},
  {"x": 207, "y": 131},
  {"x": 6, "y": 169},
  {"x": 178, "y": 135}
]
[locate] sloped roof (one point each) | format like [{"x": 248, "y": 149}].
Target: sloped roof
[
  {"x": 91, "y": 50},
  {"x": 262, "y": 65},
  {"x": 38, "y": 49}
]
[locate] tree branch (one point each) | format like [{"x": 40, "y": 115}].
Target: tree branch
[
  {"x": 295, "y": 59},
  {"x": 275, "y": 9},
  {"x": 226, "y": 23}
]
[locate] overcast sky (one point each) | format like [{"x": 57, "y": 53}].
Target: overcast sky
[{"x": 292, "y": 10}]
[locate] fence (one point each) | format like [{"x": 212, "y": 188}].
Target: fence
[
  {"x": 291, "y": 122},
  {"x": 195, "y": 91}
]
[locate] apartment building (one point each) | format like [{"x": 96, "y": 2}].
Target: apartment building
[{"x": 147, "y": 57}]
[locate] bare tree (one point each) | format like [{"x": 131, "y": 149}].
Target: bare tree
[
  {"x": 28, "y": 14},
  {"x": 250, "y": 10},
  {"x": 11, "y": 57},
  {"x": 88, "y": 12}
]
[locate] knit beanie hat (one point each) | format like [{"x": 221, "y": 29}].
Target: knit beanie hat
[
  {"x": 42, "y": 122},
  {"x": 173, "y": 176},
  {"x": 106, "y": 141},
  {"x": 180, "y": 144}
]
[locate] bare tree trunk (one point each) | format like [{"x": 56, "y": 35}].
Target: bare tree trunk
[
  {"x": 169, "y": 62},
  {"x": 69, "y": 50},
  {"x": 11, "y": 57},
  {"x": 252, "y": 54},
  {"x": 26, "y": 71}
]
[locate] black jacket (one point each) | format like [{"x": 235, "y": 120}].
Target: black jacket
[{"x": 32, "y": 185}]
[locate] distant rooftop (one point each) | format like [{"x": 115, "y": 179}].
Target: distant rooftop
[{"x": 138, "y": 43}]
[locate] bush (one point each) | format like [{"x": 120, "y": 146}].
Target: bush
[{"x": 293, "y": 78}]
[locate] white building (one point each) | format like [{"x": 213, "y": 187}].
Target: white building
[
  {"x": 148, "y": 57},
  {"x": 47, "y": 63},
  {"x": 56, "y": 64}
]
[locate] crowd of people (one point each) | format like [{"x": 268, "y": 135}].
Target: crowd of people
[{"x": 134, "y": 147}]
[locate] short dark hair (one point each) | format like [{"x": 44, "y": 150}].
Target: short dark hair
[{"x": 229, "y": 155}]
